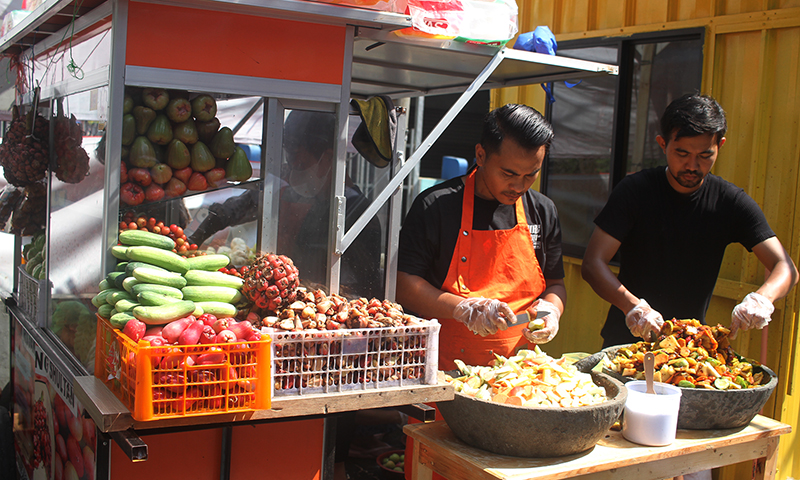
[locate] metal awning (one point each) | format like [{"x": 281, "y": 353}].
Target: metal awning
[{"x": 400, "y": 66}]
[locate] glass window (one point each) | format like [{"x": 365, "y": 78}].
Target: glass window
[
  {"x": 606, "y": 127},
  {"x": 76, "y": 221}
]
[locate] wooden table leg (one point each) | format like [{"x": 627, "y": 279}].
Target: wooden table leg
[
  {"x": 765, "y": 467},
  {"x": 420, "y": 471}
]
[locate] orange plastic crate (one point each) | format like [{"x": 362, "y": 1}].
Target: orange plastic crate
[{"x": 156, "y": 382}]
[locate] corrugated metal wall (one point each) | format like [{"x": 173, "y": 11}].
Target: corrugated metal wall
[{"x": 752, "y": 67}]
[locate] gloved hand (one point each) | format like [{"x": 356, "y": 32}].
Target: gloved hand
[
  {"x": 754, "y": 312},
  {"x": 550, "y": 329},
  {"x": 484, "y": 316},
  {"x": 643, "y": 321}
]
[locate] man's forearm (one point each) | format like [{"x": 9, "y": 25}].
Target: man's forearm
[
  {"x": 417, "y": 295},
  {"x": 608, "y": 287}
]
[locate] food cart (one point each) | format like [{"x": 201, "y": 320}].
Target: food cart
[{"x": 79, "y": 59}]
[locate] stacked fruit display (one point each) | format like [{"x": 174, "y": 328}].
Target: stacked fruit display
[
  {"x": 172, "y": 142},
  {"x": 204, "y": 360},
  {"x": 182, "y": 246}
]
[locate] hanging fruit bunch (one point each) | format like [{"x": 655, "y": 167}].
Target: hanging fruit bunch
[
  {"x": 72, "y": 161},
  {"x": 24, "y": 151},
  {"x": 30, "y": 214},
  {"x": 271, "y": 281},
  {"x": 10, "y": 196}
]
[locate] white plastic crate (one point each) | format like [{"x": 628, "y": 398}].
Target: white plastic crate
[
  {"x": 331, "y": 361},
  {"x": 29, "y": 293}
]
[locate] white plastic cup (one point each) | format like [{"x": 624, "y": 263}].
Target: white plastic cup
[{"x": 651, "y": 419}]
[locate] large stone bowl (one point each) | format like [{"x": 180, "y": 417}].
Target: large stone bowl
[
  {"x": 534, "y": 432},
  {"x": 704, "y": 409}
]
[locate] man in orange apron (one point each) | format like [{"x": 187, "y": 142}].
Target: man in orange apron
[{"x": 476, "y": 250}]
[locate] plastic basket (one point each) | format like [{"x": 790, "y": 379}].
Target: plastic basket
[
  {"x": 332, "y": 361},
  {"x": 29, "y": 293},
  {"x": 156, "y": 382}
]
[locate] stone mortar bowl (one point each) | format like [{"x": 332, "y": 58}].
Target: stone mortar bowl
[
  {"x": 704, "y": 409},
  {"x": 534, "y": 432}
]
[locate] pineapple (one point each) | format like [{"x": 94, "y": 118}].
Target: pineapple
[{"x": 271, "y": 281}]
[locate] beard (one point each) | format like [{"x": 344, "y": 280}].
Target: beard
[{"x": 688, "y": 178}]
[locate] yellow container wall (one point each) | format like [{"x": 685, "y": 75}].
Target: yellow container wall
[{"x": 752, "y": 67}]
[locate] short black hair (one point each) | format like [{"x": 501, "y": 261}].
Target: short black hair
[
  {"x": 691, "y": 115},
  {"x": 314, "y": 131},
  {"x": 521, "y": 123}
]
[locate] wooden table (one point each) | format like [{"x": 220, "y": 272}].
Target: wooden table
[{"x": 436, "y": 449}]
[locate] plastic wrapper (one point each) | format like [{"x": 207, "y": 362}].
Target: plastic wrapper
[{"x": 9, "y": 198}]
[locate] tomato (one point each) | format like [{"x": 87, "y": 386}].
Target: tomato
[
  {"x": 156, "y": 229},
  {"x": 123, "y": 226},
  {"x": 132, "y": 226},
  {"x": 141, "y": 222},
  {"x": 179, "y": 231}
]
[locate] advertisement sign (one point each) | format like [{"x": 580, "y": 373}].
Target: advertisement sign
[{"x": 53, "y": 438}]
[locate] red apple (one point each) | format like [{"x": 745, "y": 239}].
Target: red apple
[
  {"x": 75, "y": 427},
  {"x": 154, "y": 193},
  {"x": 140, "y": 175},
  {"x": 215, "y": 175},
  {"x": 88, "y": 462},
  {"x": 197, "y": 182},
  {"x": 175, "y": 188},
  {"x": 70, "y": 473},
  {"x": 89, "y": 432},
  {"x": 161, "y": 173},
  {"x": 58, "y": 468},
  {"x": 131, "y": 194},
  {"x": 61, "y": 447},
  {"x": 75, "y": 455},
  {"x": 183, "y": 174}
]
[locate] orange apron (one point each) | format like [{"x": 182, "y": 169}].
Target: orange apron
[{"x": 498, "y": 264}]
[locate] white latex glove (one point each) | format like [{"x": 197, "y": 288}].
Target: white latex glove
[
  {"x": 643, "y": 321},
  {"x": 550, "y": 329},
  {"x": 755, "y": 311},
  {"x": 484, "y": 316}
]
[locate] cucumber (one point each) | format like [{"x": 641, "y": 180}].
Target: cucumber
[
  {"x": 152, "y": 275},
  {"x": 218, "y": 309},
  {"x": 163, "y": 314},
  {"x": 133, "y": 265},
  {"x": 118, "y": 320},
  {"x": 119, "y": 279},
  {"x": 120, "y": 252},
  {"x": 149, "y": 239},
  {"x": 210, "y": 263},
  {"x": 162, "y": 289},
  {"x": 211, "y": 294},
  {"x": 118, "y": 295},
  {"x": 105, "y": 310},
  {"x": 121, "y": 267},
  {"x": 128, "y": 284},
  {"x": 152, "y": 298},
  {"x": 112, "y": 279},
  {"x": 125, "y": 305},
  {"x": 162, "y": 258},
  {"x": 100, "y": 298},
  {"x": 37, "y": 270},
  {"x": 213, "y": 279},
  {"x": 104, "y": 285}
]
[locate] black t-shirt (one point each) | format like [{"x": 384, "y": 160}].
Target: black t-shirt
[
  {"x": 430, "y": 230},
  {"x": 672, "y": 244}
]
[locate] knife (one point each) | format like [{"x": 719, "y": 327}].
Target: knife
[{"x": 525, "y": 317}]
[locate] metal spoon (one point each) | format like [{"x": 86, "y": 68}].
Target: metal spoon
[{"x": 649, "y": 362}]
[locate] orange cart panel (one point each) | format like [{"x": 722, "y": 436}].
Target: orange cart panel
[{"x": 163, "y": 36}]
